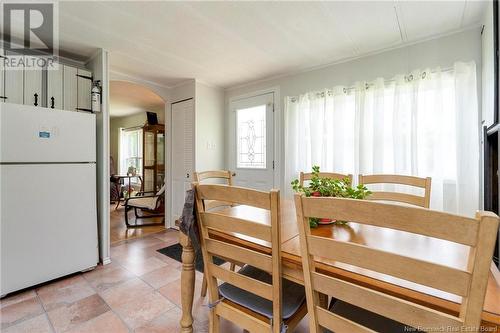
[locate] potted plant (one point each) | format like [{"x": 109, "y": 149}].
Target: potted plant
[{"x": 328, "y": 187}]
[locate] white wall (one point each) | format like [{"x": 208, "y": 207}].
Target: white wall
[
  {"x": 442, "y": 52},
  {"x": 209, "y": 120}
]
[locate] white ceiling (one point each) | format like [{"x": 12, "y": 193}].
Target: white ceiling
[
  {"x": 127, "y": 98},
  {"x": 229, "y": 43}
]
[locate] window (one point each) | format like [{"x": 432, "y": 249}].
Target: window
[
  {"x": 422, "y": 124},
  {"x": 131, "y": 151},
  {"x": 251, "y": 136}
]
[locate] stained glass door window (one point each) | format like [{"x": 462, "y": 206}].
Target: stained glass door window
[{"x": 251, "y": 137}]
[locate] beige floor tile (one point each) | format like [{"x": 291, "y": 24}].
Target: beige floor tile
[
  {"x": 105, "y": 323},
  {"x": 67, "y": 317},
  {"x": 142, "y": 309},
  {"x": 17, "y": 297},
  {"x": 170, "y": 236},
  {"x": 160, "y": 277},
  {"x": 167, "y": 322},
  {"x": 125, "y": 292},
  {"x": 172, "y": 291},
  {"x": 106, "y": 278},
  {"x": 64, "y": 292},
  {"x": 141, "y": 267},
  {"x": 39, "y": 324},
  {"x": 19, "y": 311}
]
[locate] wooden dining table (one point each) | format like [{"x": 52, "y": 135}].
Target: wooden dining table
[{"x": 421, "y": 247}]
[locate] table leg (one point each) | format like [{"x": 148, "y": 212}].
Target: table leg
[{"x": 187, "y": 283}]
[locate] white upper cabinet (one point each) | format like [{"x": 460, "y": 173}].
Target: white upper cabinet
[
  {"x": 2, "y": 77},
  {"x": 66, "y": 87},
  {"x": 32, "y": 85},
  {"x": 54, "y": 95},
  {"x": 70, "y": 88},
  {"x": 84, "y": 90},
  {"x": 14, "y": 85}
]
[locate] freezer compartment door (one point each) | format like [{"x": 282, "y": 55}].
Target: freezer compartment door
[
  {"x": 38, "y": 135},
  {"x": 48, "y": 222}
]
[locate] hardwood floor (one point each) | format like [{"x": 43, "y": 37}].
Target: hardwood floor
[{"x": 119, "y": 231}]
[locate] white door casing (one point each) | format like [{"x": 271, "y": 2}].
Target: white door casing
[
  {"x": 251, "y": 145},
  {"x": 182, "y": 164}
]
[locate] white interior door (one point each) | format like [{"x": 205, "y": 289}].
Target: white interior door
[
  {"x": 182, "y": 153},
  {"x": 252, "y": 143}
]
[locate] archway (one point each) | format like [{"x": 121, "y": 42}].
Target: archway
[{"x": 137, "y": 155}]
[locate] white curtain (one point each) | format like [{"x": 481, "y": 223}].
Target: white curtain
[{"x": 424, "y": 124}]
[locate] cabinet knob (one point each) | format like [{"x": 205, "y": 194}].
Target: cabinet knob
[
  {"x": 52, "y": 102},
  {"x": 36, "y": 99},
  {"x": 187, "y": 175}
]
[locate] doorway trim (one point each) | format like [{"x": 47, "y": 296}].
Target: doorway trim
[{"x": 278, "y": 130}]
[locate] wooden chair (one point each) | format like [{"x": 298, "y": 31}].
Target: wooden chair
[
  {"x": 307, "y": 176},
  {"x": 199, "y": 177},
  {"x": 224, "y": 175},
  {"x": 360, "y": 309},
  {"x": 422, "y": 201},
  {"x": 256, "y": 297}
]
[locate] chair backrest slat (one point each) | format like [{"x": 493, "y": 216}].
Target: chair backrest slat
[
  {"x": 305, "y": 176},
  {"x": 416, "y": 220},
  {"x": 209, "y": 222},
  {"x": 417, "y": 200},
  {"x": 233, "y": 224},
  {"x": 398, "y": 309},
  {"x": 444, "y": 278},
  {"x": 244, "y": 282},
  {"x": 235, "y": 195},
  {"x": 237, "y": 253},
  {"x": 470, "y": 283}
]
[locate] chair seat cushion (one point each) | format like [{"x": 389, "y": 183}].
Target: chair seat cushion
[
  {"x": 369, "y": 319},
  {"x": 143, "y": 202},
  {"x": 293, "y": 294}
]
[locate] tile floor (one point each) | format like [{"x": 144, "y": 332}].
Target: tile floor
[{"x": 138, "y": 292}]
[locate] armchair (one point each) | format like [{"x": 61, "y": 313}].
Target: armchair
[{"x": 148, "y": 201}]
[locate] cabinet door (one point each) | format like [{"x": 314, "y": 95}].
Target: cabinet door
[
  {"x": 70, "y": 88},
  {"x": 55, "y": 87},
  {"x": 182, "y": 153},
  {"x": 13, "y": 79},
  {"x": 2, "y": 77},
  {"x": 33, "y": 86},
  {"x": 84, "y": 88}
]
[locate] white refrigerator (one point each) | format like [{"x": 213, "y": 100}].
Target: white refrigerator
[{"x": 48, "y": 214}]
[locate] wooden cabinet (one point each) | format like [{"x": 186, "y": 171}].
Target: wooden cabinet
[
  {"x": 2, "y": 77},
  {"x": 14, "y": 85},
  {"x": 54, "y": 93},
  {"x": 70, "y": 88},
  {"x": 32, "y": 94},
  {"x": 66, "y": 88},
  {"x": 153, "y": 161},
  {"x": 84, "y": 87}
]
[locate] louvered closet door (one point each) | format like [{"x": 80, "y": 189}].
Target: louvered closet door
[{"x": 182, "y": 153}]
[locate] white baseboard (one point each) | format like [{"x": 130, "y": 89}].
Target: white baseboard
[{"x": 106, "y": 261}]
